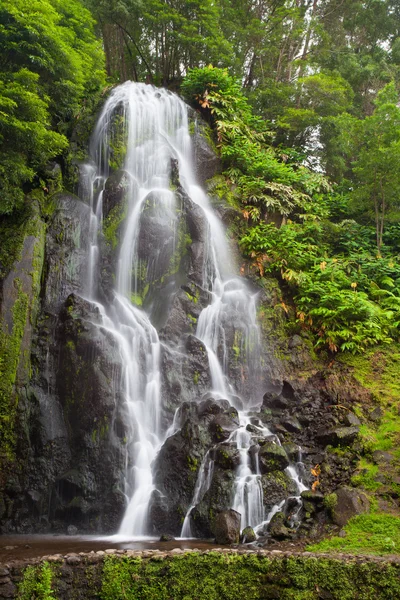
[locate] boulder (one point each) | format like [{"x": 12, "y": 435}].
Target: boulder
[
  {"x": 291, "y": 424},
  {"x": 274, "y": 400},
  {"x": 350, "y": 502},
  {"x": 248, "y": 535},
  {"x": 351, "y": 420},
  {"x": 277, "y": 486},
  {"x": 227, "y": 527},
  {"x": 277, "y": 528},
  {"x": 340, "y": 436},
  {"x": 226, "y": 456},
  {"x": 292, "y": 450},
  {"x": 312, "y": 501},
  {"x": 166, "y": 537},
  {"x": 224, "y": 424},
  {"x": 218, "y": 498},
  {"x": 72, "y": 530},
  {"x": 380, "y": 457},
  {"x": 272, "y": 457}
]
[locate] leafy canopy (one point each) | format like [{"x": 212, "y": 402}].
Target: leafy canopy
[{"x": 50, "y": 62}]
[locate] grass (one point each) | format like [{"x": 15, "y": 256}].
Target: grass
[
  {"x": 377, "y": 370},
  {"x": 365, "y": 534}
]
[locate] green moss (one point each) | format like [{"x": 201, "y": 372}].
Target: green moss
[
  {"x": 365, "y": 476},
  {"x": 193, "y": 463},
  {"x": 330, "y": 502},
  {"x": 217, "y": 576},
  {"x": 237, "y": 344},
  {"x": 377, "y": 370},
  {"x": 136, "y": 299},
  {"x": 10, "y": 345},
  {"x": 112, "y": 224},
  {"x": 365, "y": 534},
  {"x": 223, "y": 191},
  {"x": 23, "y": 311},
  {"x": 118, "y": 143},
  {"x": 36, "y": 583},
  {"x": 196, "y": 377}
]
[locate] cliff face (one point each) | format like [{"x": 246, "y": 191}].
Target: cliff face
[{"x": 64, "y": 427}]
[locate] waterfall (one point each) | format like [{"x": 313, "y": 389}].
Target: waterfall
[{"x": 153, "y": 124}]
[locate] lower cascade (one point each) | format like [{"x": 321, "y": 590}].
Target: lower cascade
[{"x": 164, "y": 286}]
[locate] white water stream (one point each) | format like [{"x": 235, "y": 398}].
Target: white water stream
[{"x": 155, "y": 122}]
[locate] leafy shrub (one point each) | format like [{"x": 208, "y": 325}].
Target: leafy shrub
[{"x": 349, "y": 301}]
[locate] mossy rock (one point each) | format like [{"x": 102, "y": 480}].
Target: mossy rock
[{"x": 272, "y": 458}]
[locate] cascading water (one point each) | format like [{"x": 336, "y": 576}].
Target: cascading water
[{"x": 153, "y": 124}]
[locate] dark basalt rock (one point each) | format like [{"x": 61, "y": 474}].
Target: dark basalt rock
[
  {"x": 218, "y": 498},
  {"x": 67, "y": 245},
  {"x": 274, "y": 400},
  {"x": 277, "y": 527},
  {"x": 248, "y": 536},
  {"x": 227, "y": 527},
  {"x": 277, "y": 486},
  {"x": 272, "y": 457},
  {"x": 350, "y": 502},
  {"x": 207, "y": 163},
  {"x": 115, "y": 190},
  {"x": 291, "y": 424},
  {"x": 83, "y": 491},
  {"x": 178, "y": 462},
  {"x": 224, "y": 424},
  {"x": 226, "y": 456},
  {"x": 351, "y": 420},
  {"x": 340, "y": 436},
  {"x": 166, "y": 537}
]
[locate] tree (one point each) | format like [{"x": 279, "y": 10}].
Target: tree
[
  {"x": 373, "y": 146},
  {"x": 50, "y": 63},
  {"x": 159, "y": 40}
]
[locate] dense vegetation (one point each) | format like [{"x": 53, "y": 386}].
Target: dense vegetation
[
  {"x": 51, "y": 62},
  {"x": 302, "y": 96},
  {"x": 303, "y": 100},
  {"x": 337, "y": 267},
  {"x": 211, "y": 576}
]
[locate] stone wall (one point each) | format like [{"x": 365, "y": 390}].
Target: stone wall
[{"x": 220, "y": 574}]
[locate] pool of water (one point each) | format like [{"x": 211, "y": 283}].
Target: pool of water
[{"x": 18, "y": 547}]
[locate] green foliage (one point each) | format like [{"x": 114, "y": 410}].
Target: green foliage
[
  {"x": 158, "y": 41},
  {"x": 365, "y": 534},
  {"x": 51, "y": 62},
  {"x": 373, "y": 148},
  {"x": 218, "y": 576},
  {"x": 266, "y": 179},
  {"x": 343, "y": 294},
  {"x": 36, "y": 583}
]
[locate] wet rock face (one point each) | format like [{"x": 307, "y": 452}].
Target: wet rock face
[
  {"x": 115, "y": 191},
  {"x": 88, "y": 382},
  {"x": 66, "y": 264},
  {"x": 177, "y": 465},
  {"x": 308, "y": 420},
  {"x": 74, "y": 449},
  {"x": 217, "y": 499},
  {"x": 207, "y": 162},
  {"x": 277, "y": 487}
]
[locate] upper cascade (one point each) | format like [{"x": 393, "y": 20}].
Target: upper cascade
[{"x": 183, "y": 320}]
